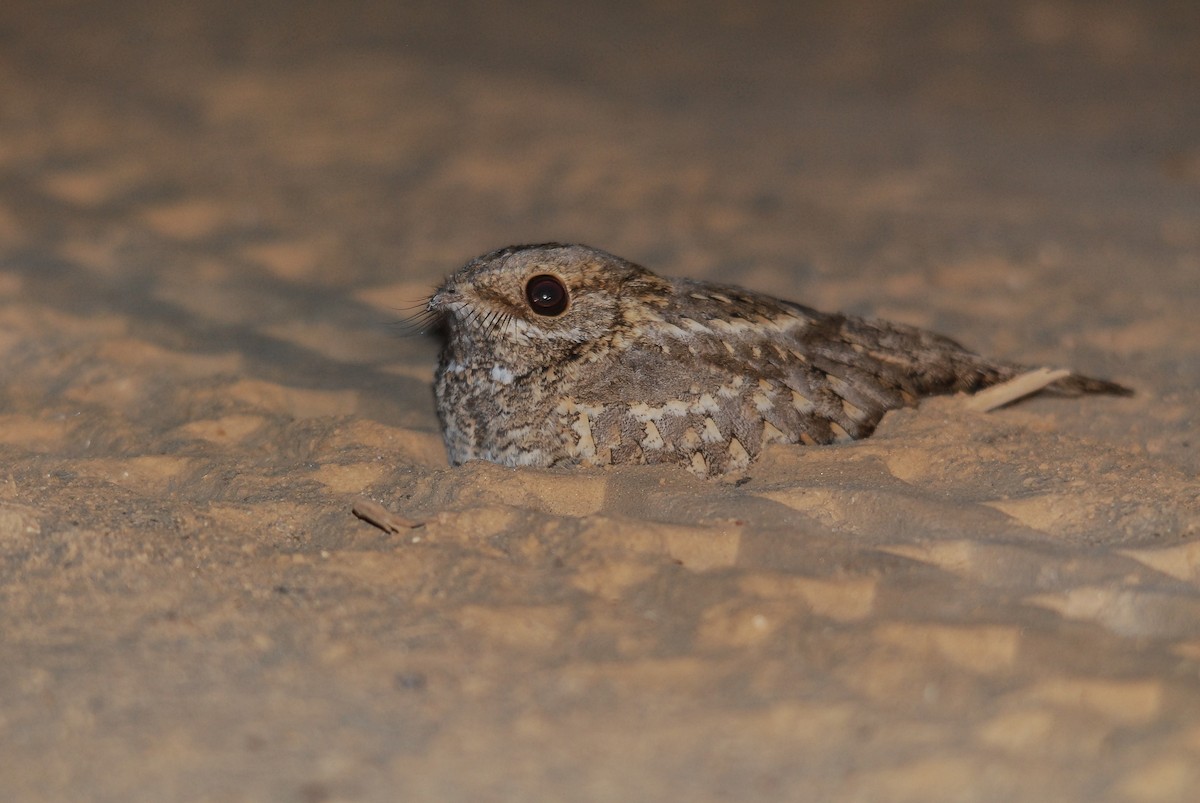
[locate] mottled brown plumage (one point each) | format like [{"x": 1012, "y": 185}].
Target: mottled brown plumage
[{"x": 567, "y": 355}]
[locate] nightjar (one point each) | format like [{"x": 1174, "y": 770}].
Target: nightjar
[{"x": 566, "y": 355}]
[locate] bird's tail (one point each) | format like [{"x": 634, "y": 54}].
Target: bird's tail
[{"x": 1077, "y": 385}]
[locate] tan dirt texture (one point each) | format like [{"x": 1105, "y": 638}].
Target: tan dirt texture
[{"x": 213, "y": 215}]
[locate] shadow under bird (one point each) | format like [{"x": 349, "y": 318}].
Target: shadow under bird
[{"x": 562, "y": 355}]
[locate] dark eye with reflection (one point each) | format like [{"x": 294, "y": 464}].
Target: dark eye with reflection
[{"x": 547, "y": 295}]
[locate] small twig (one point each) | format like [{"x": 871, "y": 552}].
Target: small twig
[
  {"x": 1016, "y": 388},
  {"x": 375, "y": 513}
]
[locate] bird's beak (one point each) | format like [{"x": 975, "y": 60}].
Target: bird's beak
[{"x": 444, "y": 300}]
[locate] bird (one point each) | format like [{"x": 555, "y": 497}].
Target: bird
[{"x": 567, "y": 355}]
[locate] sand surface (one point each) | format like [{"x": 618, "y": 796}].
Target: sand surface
[{"x": 211, "y": 216}]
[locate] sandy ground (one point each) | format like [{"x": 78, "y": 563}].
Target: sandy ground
[{"x": 211, "y": 216}]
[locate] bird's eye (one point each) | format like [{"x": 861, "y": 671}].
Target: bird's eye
[{"x": 547, "y": 295}]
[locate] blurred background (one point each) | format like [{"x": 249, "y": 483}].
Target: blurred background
[{"x": 214, "y": 214}]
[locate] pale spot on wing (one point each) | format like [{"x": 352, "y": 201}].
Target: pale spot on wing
[
  {"x": 585, "y": 446},
  {"x": 675, "y": 407},
  {"x": 705, "y": 404},
  {"x": 843, "y": 389},
  {"x": 583, "y": 428},
  {"x": 653, "y": 439},
  {"x": 502, "y": 375},
  {"x": 802, "y": 403},
  {"x": 787, "y": 323},
  {"x": 739, "y": 458},
  {"x": 711, "y": 433},
  {"x": 762, "y": 401},
  {"x": 772, "y": 433},
  {"x": 734, "y": 327},
  {"x": 837, "y": 384},
  {"x": 674, "y": 330},
  {"x": 690, "y": 439},
  {"x": 695, "y": 326},
  {"x": 839, "y": 433},
  {"x": 699, "y": 464},
  {"x": 807, "y": 439},
  {"x": 857, "y": 413},
  {"x": 643, "y": 412}
]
